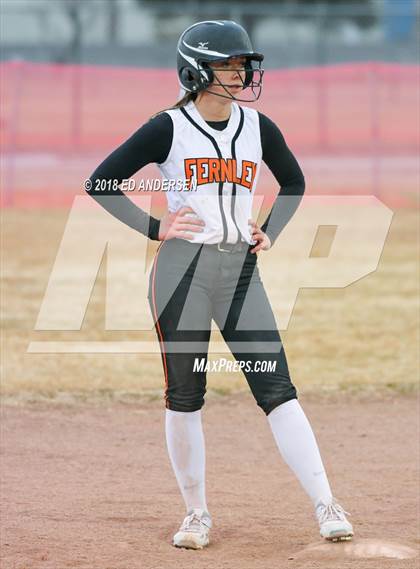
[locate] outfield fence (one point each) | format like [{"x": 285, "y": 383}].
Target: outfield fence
[{"x": 354, "y": 127}]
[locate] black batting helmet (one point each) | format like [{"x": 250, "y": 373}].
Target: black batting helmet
[{"x": 216, "y": 40}]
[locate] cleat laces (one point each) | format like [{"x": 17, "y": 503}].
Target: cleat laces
[
  {"x": 193, "y": 522},
  {"x": 331, "y": 512}
]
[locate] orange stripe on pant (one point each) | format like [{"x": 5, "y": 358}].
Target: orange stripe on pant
[{"x": 159, "y": 331}]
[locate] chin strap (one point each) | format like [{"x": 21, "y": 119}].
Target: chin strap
[{"x": 254, "y": 85}]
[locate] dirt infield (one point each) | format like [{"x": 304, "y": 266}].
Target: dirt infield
[{"x": 91, "y": 487}]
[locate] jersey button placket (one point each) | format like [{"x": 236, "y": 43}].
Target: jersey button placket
[{"x": 223, "y": 142}]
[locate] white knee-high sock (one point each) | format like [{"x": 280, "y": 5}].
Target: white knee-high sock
[
  {"x": 185, "y": 442},
  {"x": 299, "y": 449}
]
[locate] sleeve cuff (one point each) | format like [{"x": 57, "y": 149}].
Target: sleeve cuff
[
  {"x": 154, "y": 226},
  {"x": 271, "y": 237}
]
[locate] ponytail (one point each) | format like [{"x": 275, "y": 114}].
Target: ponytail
[
  {"x": 181, "y": 103},
  {"x": 185, "y": 100}
]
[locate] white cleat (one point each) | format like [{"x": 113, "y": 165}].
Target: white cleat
[
  {"x": 194, "y": 530},
  {"x": 333, "y": 524}
]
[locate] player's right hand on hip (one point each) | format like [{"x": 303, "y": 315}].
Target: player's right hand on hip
[{"x": 180, "y": 224}]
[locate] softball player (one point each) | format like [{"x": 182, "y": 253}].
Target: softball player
[{"x": 206, "y": 264}]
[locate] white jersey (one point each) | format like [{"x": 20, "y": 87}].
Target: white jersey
[{"x": 222, "y": 168}]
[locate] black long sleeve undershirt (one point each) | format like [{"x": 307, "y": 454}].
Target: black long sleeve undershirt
[
  {"x": 151, "y": 143},
  {"x": 286, "y": 170}
]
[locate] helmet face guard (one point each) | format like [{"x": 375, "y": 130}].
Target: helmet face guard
[
  {"x": 213, "y": 41},
  {"x": 253, "y": 79}
]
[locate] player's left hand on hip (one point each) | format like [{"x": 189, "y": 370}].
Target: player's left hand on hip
[{"x": 263, "y": 241}]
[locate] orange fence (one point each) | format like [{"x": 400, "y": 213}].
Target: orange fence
[{"x": 347, "y": 123}]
